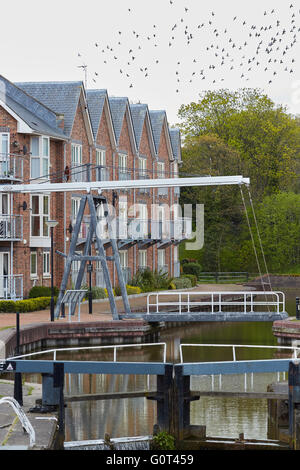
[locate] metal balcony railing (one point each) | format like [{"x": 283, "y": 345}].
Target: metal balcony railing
[
  {"x": 102, "y": 173},
  {"x": 11, "y": 167},
  {"x": 80, "y": 173},
  {"x": 124, "y": 174},
  {"x": 11, "y": 287},
  {"x": 11, "y": 227},
  {"x": 142, "y": 175}
]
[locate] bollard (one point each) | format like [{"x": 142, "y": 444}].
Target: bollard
[
  {"x": 18, "y": 392},
  {"x": 294, "y": 404},
  {"x": 297, "y": 308}
]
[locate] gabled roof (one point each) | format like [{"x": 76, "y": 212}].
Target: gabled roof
[
  {"x": 175, "y": 142},
  {"x": 95, "y": 101},
  {"x": 61, "y": 97},
  {"x": 159, "y": 123},
  {"x": 38, "y": 117},
  {"x": 118, "y": 108},
  {"x": 140, "y": 115}
]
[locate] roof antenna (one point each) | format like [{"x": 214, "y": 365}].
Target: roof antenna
[{"x": 84, "y": 67}]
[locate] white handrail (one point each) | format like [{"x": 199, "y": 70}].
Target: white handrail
[
  {"x": 112, "y": 346},
  {"x": 22, "y": 417},
  {"x": 295, "y": 349},
  {"x": 247, "y": 299}
]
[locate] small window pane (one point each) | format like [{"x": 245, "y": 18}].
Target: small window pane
[
  {"x": 35, "y": 204},
  {"x": 35, "y": 167},
  {"x": 35, "y": 226},
  {"x": 35, "y": 151},
  {"x": 45, "y": 147}
]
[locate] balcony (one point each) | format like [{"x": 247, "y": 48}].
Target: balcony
[
  {"x": 80, "y": 173},
  {"x": 11, "y": 287},
  {"x": 124, "y": 174},
  {"x": 162, "y": 192},
  {"x": 11, "y": 227},
  {"x": 102, "y": 173},
  {"x": 11, "y": 167},
  {"x": 142, "y": 175}
]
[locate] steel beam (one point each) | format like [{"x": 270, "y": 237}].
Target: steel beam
[{"x": 126, "y": 184}]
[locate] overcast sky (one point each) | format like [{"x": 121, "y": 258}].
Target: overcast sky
[{"x": 161, "y": 52}]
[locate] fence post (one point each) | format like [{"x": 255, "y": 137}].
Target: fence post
[
  {"x": 294, "y": 404},
  {"x": 164, "y": 398},
  {"x": 297, "y": 308}
]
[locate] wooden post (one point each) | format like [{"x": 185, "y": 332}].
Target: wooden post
[
  {"x": 164, "y": 398},
  {"x": 294, "y": 404}
]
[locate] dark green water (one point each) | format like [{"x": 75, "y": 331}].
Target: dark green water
[{"x": 222, "y": 417}]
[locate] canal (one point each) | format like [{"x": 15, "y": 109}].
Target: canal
[{"x": 223, "y": 417}]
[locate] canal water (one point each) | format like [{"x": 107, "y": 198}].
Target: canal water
[{"x": 223, "y": 417}]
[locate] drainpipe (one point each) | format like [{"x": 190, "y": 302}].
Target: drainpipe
[{"x": 65, "y": 206}]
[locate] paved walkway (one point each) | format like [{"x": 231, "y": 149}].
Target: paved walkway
[{"x": 101, "y": 309}]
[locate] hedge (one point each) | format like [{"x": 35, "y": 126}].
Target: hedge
[
  {"x": 99, "y": 292},
  {"x": 130, "y": 290},
  {"x": 182, "y": 282},
  {"x": 192, "y": 277},
  {"x": 192, "y": 268},
  {"x": 27, "y": 305},
  {"x": 41, "y": 291}
]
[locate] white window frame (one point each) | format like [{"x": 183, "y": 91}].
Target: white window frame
[
  {"x": 123, "y": 258},
  {"x": 100, "y": 157},
  {"x": 76, "y": 161},
  {"x": 3, "y": 155},
  {"x": 161, "y": 255},
  {"x": 142, "y": 258},
  {"x": 33, "y": 254},
  {"x": 142, "y": 166},
  {"x": 43, "y": 158},
  {"x": 46, "y": 263},
  {"x": 160, "y": 170},
  {"x": 43, "y": 216}
]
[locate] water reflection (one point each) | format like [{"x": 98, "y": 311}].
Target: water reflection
[{"x": 223, "y": 417}]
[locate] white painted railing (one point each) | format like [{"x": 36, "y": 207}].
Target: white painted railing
[
  {"x": 248, "y": 301},
  {"x": 115, "y": 347},
  {"x": 22, "y": 417},
  {"x": 294, "y": 349}
]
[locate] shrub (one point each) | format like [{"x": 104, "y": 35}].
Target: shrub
[
  {"x": 130, "y": 290},
  {"x": 27, "y": 305},
  {"x": 41, "y": 291},
  {"x": 192, "y": 277},
  {"x": 182, "y": 282},
  {"x": 192, "y": 268},
  {"x": 163, "y": 441},
  {"x": 99, "y": 293}
]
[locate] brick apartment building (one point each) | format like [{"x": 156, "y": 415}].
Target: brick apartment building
[{"x": 60, "y": 132}]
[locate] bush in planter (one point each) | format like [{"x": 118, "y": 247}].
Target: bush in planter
[
  {"x": 192, "y": 277},
  {"x": 41, "y": 291},
  {"x": 182, "y": 282},
  {"x": 192, "y": 268},
  {"x": 99, "y": 292}
]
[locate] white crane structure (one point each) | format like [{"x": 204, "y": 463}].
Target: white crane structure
[{"x": 88, "y": 198}]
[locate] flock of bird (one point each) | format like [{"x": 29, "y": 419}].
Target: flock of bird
[{"x": 259, "y": 48}]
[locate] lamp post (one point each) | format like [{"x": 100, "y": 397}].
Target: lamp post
[{"x": 51, "y": 224}]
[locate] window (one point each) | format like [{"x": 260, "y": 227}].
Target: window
[
  {"x": 160, "y": 170},
  {"x": 46, "y": 263},
  {"x": 76, "y": 161},
  {"x": 123, "y": 258},
  {"x": 102, "y": 171},
  {"x": 160, "y": 258},
  {"x": 39, "y": 216},
  {"x": 123, "y": 170},
  {"x": 40, "y": 157},
  {"x": 4, "y": 153},
  {"x": 33, "y": 264},
  {"x": 143, "y": 258},
  {"x": 142, "y": 167}
]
